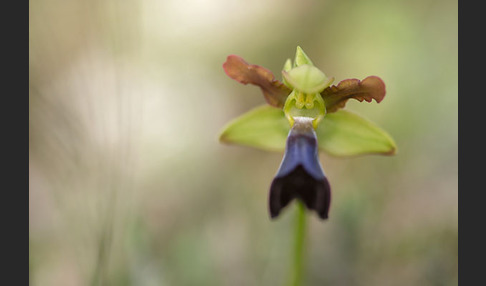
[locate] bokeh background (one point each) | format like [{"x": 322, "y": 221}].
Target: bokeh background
[{"x": 130, "y": 186}]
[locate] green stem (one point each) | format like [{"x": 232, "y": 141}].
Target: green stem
[{"x": 299, "y": 245}]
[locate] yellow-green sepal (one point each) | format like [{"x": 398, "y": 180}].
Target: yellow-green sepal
[
  {"x": 307, "y": 78},
  {"x": 301, "y": 58},
  {"x": 287, "y": 67},
  {"x": 263, "y": 127},
  {"x": 344, "y": 133}
]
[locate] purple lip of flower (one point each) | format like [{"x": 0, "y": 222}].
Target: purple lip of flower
[{"x": 300, "y": 175}]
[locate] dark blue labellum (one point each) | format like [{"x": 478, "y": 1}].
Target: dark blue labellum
[{"x": 300, "y": 175}]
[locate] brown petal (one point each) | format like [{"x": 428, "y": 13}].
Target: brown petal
[
  {"x": 274, "y": 91},
  {"x": 370, "y": 88}
]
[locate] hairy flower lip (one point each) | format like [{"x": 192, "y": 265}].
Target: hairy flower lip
[{"x": 300, "y": 175}]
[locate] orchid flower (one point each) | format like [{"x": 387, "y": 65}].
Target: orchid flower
[{"x": 304, "y": 115}]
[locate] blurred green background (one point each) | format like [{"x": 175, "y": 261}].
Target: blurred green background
[{"x": 129, "y": 185}]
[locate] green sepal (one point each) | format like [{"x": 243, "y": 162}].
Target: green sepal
[
  {"x": 287, "y": 67},
  {"x": 301, "y": 58},
  {"x": 307, "y": 78},
  {"x": 263, "y": 127},
  {"x": 341, "y": 133},
  {"x": 344, "y": 133}
]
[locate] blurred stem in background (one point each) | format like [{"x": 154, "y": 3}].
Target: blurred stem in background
[{"x": 297, "y": 271}]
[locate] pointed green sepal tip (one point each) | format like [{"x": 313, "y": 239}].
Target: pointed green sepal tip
[
  {"x": 307, "y": 78},
  {"x": 288, "y": 65},
  {"x": 301, "y": 58},
  {"x": 344, "y": 134},
  {"x": 263, "y": 127}
]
